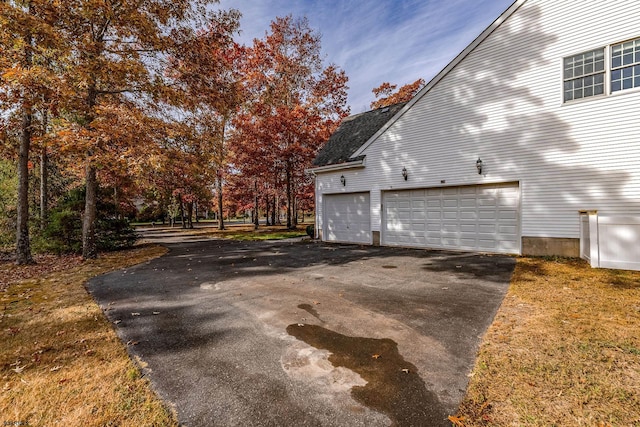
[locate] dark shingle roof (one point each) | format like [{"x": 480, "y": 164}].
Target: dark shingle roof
[{"x": 353, "y": 132}]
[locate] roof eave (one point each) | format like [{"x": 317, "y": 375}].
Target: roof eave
[{"x": 354, "y": 164}]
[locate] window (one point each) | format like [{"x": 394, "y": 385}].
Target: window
[
  {"x": 584, "y": 75},
  {"x": 625, "y": 65}
]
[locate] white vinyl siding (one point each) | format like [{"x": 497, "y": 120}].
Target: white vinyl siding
[{"x": 504, "y": 104}]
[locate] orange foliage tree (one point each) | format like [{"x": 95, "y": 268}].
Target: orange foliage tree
[
  {"x": 205, "y": 69},
  {"x": 386, "y": 94},
  {"x": 295, "y": 104},
  {"x": 114, "y": 45},
  {"x": 29, "y": 43}
]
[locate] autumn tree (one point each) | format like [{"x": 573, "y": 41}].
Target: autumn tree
[
  {"x": 386, "y": 94},
  {"x": 114, "y": 45},
  {"x": 27, "y": 38},
  {"x": 206, "y": 70},
  {"x": 296, "y": 103}
]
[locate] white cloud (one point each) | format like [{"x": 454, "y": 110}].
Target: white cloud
[{"x": 379, "y": 40}]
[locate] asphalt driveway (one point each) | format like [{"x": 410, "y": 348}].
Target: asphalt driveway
[{"x": 302, "y": 333}]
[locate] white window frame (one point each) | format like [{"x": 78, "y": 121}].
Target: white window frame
[
  {"x": 607, "y": 72},
  {"x": 584, "y": 75},
  {"x": 622, "y": 67}
]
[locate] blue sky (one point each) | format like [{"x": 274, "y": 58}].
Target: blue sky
[{"x": 374, "y": 41}]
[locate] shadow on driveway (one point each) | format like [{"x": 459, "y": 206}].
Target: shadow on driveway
[{"x": 210, "y": 319}]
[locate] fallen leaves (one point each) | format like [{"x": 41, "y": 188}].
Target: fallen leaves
[
  {"x": 457, "y": 421},
  {"x": 45, "y": 264}
]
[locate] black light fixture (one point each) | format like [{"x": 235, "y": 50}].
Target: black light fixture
[
  {"x": 405, "y": 175},
  {"x": 479, "y": 165},
  {"x": 343, "y": 180}
]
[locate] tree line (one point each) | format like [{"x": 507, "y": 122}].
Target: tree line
[{"x": 156, "y": 101}]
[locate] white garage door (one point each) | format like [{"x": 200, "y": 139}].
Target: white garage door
[
  {"x": 477, "y": 218},
  {"x": 347, "y": 218}
]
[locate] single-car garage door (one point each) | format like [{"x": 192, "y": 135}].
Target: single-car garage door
[
  {"x": 477, "y": 218},
  {"x": 347, "y": 218}
]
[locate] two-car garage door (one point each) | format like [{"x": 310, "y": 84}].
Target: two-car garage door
[{"x": 477, "y": 218}]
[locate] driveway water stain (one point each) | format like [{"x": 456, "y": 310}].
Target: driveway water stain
[
  {"x": 393, "y": 384},
  {"x": 312, "y": 311}
]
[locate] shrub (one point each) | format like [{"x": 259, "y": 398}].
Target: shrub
[
  {"x": 114, "y": 234},
  {"x": 63, "y": 233},
  {"x": 311, "y": 230}
]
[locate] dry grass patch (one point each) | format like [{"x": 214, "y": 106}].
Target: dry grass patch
[
  {"x": 61, "y": 362},
  {"x": 238, "y": 232},
  {"x": 564, "y": 350}
]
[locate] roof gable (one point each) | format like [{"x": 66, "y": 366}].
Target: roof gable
[
  {"x": 446, "y": 70},
  {"x": 353, "y": 132}
]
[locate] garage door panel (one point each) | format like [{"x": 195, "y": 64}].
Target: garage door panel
[
  {"x": 487, "y": 215},
  {"x": 449, "y": 215},
  {"x": 418, "y": 226},
  {"x": 487, "y": 202},
  {"x": 508, "y": 215},
  {"x": 508, "y": 230},
  {"x": 487, "y": 228},
  {"x": 471, "y": 217},
  {"x": 419, "y": 215},
  {"x": 487, "y": 244},
  {"x": 468, "y": 228},
  {"x": 468, "y": 203}
]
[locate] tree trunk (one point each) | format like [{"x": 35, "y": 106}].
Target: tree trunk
[
  {"x": 23, "y": 245},
  {"x": 256, "y": 216},
  {"x": 294, "y": 202},
  {"x": 183, "y": 219},
  {"x": 220, "y": 207},
  {"x": 266, "y": 210},
  {"x": 89, "y": 245},
  {"x": 116, "y": 208},
  {"x": 44, "y": 185},
  {"x": 190, "y": 214},
  {"x": 289, "y": 224},
  {"x": 274, "y": 210}
]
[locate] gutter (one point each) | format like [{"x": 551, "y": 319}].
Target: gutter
[{"x": 340, "y": 166}]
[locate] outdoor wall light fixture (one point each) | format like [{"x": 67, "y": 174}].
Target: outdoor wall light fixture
[
  {"x": 343, "y": 180},
  {"x": 479, "y": 165},
  {"x": 405, "y": 175}
]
